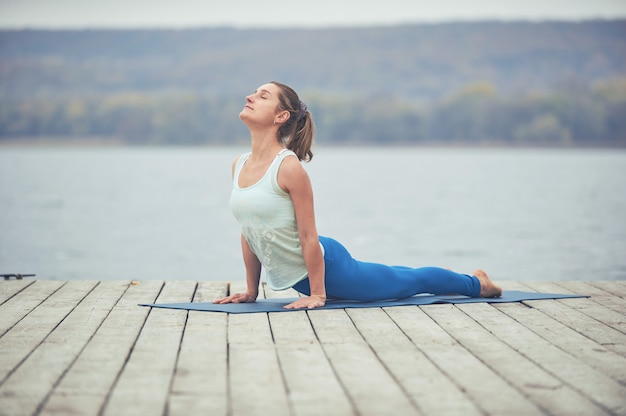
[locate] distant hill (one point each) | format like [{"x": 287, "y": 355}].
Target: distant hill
[
  {"x": 420, "y": 69},
  {"x": 421, "y": 61}
]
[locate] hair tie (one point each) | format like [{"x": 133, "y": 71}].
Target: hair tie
[{"x": 302, "y": 111}]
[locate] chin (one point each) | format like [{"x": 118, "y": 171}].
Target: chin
[{"x": 245, "y": 119}]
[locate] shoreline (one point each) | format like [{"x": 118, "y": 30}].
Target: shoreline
[{"x": 97, "y": 142}]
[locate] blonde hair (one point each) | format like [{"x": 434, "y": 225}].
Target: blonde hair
[{"x": 298, "y": 131}]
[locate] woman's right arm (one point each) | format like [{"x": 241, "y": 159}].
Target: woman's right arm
[
  {"x": 253, "y": 271},
  {"x": 253, "y": 277}
]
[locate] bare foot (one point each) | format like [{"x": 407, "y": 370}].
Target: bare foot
[{"x": 488, "y": 289}]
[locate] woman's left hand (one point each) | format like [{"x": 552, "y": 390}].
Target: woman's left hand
[{"x": 308, "y": 302}]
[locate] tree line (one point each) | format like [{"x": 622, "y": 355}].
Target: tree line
[
  {"x": 552, "y": 83},
  {"x": 476, "y": 114}
]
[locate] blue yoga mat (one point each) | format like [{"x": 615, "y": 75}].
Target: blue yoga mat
[{"x": 277, "y": 305}]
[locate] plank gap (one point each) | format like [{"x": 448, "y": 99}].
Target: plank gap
[
  {"x": 128, "y": 355},
  {"x": 69, "y": 367}
]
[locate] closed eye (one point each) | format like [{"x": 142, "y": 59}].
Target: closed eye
[{"x": 265, "y": 94}]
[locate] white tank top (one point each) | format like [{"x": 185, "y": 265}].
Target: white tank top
[{"x": 268, "y": 223}]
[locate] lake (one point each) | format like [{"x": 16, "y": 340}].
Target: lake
[{"x": 162, "y": 212}]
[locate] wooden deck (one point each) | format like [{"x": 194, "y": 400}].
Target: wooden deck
[{"x": 86, "y": 348}]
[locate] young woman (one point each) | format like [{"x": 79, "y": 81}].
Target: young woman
[{"x": 273, "y": 201}]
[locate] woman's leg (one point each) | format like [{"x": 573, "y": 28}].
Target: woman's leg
[{"x": 347, "y": 278}]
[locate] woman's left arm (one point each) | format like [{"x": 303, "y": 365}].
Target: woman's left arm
[{"x": 293, "y": 179}]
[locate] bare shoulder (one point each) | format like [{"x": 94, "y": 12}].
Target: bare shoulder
[
  {"x": 292, "y": 174},
  {"x": 292, "y": 165}
]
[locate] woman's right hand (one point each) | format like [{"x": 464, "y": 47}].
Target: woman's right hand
[{"x": 237, "y": 298}]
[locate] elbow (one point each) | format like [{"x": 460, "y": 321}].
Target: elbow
[{"x": 307, "y": 239}]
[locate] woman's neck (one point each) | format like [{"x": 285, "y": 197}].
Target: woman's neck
[{"x": 264, "y": 145}]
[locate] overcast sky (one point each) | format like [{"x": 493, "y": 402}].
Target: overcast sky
[{"x": 289, "y": 13}]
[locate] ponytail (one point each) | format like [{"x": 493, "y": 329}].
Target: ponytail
[{"x": 298, "y": 131}]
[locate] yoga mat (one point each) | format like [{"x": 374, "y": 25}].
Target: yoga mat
[{"x": 276, "y": 305}]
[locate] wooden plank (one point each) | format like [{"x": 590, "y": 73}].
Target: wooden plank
[
  {"x": 372, "y": 389},
  {"x": 22, "y": 303},
  {"x": 557, "y": 355},
  {"x": 287, "y": 293},
  {"x": 590, "y": 317},
  {"x": 312, "y": 385},
  {"x": 200, "y": 383},
  {"x": 483, "y": 386},
  {"x": 304, "y": 364},
  {"x": 32, "y": 382},
  {"x": 594, "y": 307},
  {"x": 543, "y": 389},
  {"x": 574, "y": 333},
  {"x": 145, "y": 381},
  {"x": 511, "y": 285},
  {"x": 25, "y": 336},
  {"x": 313, "y": 388},
  {"x": 603, "y": 325},
  {"x": 616, "y": 287},
  {"x": 208, "y": 291},
  {"x": 85, "y": 387},
  {"x": 8, "y": 288},
  {"x": 256, "y": 384},
  {"x": 590, "y": 382},
  {"x": 430, "y": 389},
  {"x": 603, "y": 297}
]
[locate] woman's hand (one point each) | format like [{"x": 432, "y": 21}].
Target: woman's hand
[
  {"x": 308, "y": 302},
  {"x": 237, "y": 298}
]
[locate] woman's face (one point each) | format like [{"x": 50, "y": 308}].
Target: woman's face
[{"x": 262, "y": 105}]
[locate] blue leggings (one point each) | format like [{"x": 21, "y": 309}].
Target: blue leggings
[{"x": 347, "y": 278}]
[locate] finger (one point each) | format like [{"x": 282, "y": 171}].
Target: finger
[
  {"x": 229, "y": 299},
  {"x": 317, "y": 305}
]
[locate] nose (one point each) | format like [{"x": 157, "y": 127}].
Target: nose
[{"x": 249, "y": 99}]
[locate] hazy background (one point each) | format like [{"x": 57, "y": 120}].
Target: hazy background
[
  {"x": 534, "y": 89},
  {"x": 402, "y": 73},
  {"x": 63, "y": 14}
]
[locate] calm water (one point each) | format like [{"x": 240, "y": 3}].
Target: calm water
[{"x": 162, "y": 213}]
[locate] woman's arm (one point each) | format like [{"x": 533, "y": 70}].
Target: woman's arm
[
  {"x": 253, "y": 271},
  {"x": 294, "y": 180},
  {"x": 253, "y": 277}
]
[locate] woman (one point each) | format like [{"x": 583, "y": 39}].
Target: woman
[{"x": 272, "y": 199}]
